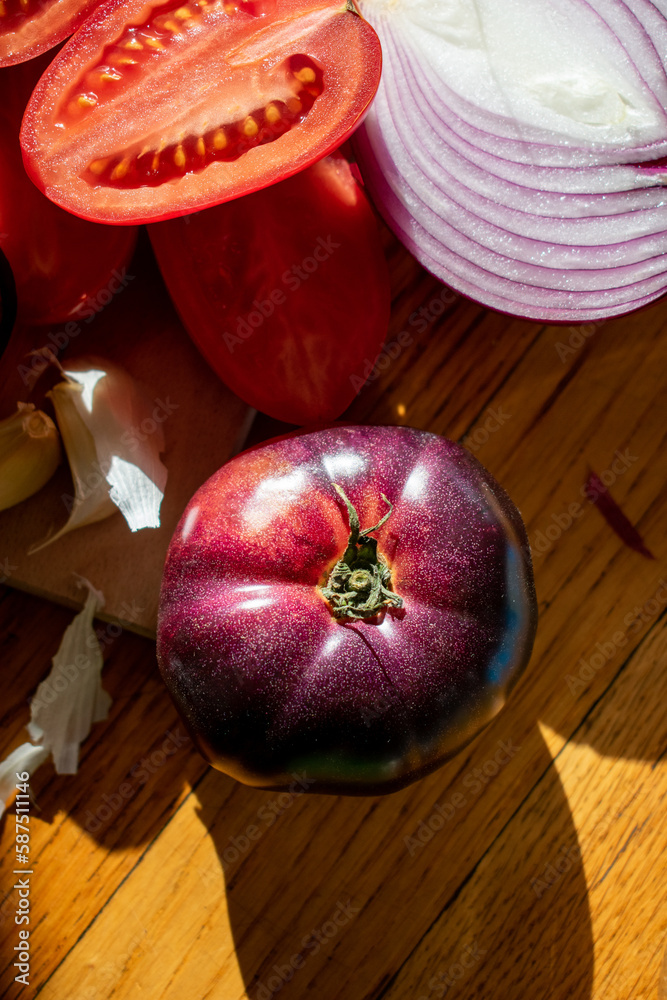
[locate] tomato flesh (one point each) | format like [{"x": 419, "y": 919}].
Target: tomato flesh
[
  {"x": 153, "y": 167},
  {"x": 285, "y": 292},
  {"x": 30, "y": 27},
  {"x": 154, "y": 111}
]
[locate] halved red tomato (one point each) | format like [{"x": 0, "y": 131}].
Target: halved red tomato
[
  {"x": 29, "y": 27},
  {"x": 286, "y": 292},
  {"x": 64, "y": 268},
  {"x": 155, "y": 110}
]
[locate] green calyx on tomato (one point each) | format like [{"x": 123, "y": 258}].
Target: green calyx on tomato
[
  {"x": 358, "y": 586},
  {"x": 159, "y": 110}
]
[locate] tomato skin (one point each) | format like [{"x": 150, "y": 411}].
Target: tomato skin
[
  {"x": 270, "y": 684},
  {"x": 285, "y": 292},
  {"x": 93, "y": 158},
  {"x": 29, "y": 35},
  {"x": 59, "y": 262}
]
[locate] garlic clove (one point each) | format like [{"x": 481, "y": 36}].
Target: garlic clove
[
  {"x": 116, "y": 411},
  {"x": 91, "y": 501},
  {"x": 29, "y": 454},
  {"x": 113, "y": 441}
]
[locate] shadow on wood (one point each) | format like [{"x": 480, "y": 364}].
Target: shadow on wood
[{"x": 329, "y": 896}]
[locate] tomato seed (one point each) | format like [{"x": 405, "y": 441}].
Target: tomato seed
[
  {"x": 149, "y": 168},
  {"x": 165, "y": 23}
]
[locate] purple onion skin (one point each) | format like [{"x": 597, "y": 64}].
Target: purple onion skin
[{"x": 270, "y": 684}]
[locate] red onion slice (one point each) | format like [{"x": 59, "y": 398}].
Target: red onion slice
[
  {"x": 538, "y": 215},
  {"x": 508, "y": 294},
  {"x": 516, "y": 176}
]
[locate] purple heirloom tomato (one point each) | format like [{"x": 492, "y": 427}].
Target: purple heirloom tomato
[{"x": 353, "y": 603}]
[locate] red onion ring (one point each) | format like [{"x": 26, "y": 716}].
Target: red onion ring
[{"x": 535, "y": 196}]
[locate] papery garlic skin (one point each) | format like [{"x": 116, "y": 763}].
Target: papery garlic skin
[
  {"x": 27, "y": 757},
  {"x": 91, "y": 501},
  {"x": 68, "y": 702},
  {"x": 100, "y": 409},
  {"x": 65, "y": 704},
  {"x": 29, "y": 454},
  {"x": 113, "y": 406}
]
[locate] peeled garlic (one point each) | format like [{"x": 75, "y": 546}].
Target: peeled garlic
[
  {"x": 29, "y": 454},
  {"x": 99, "y": 409},
  {"x": 91, "y": 501}
]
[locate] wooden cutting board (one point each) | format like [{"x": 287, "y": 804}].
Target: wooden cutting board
[{"x": 204, "y": 424}]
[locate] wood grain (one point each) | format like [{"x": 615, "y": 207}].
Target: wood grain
[{"x": 539, "y": 872}]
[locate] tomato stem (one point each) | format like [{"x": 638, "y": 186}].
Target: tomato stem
[{"x": 358, "y": 586}]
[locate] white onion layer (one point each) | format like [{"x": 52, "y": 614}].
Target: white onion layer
[{"x": 512, "y": 147}]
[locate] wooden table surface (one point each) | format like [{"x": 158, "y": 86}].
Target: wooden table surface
[{"x": 531, "y": 866}]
